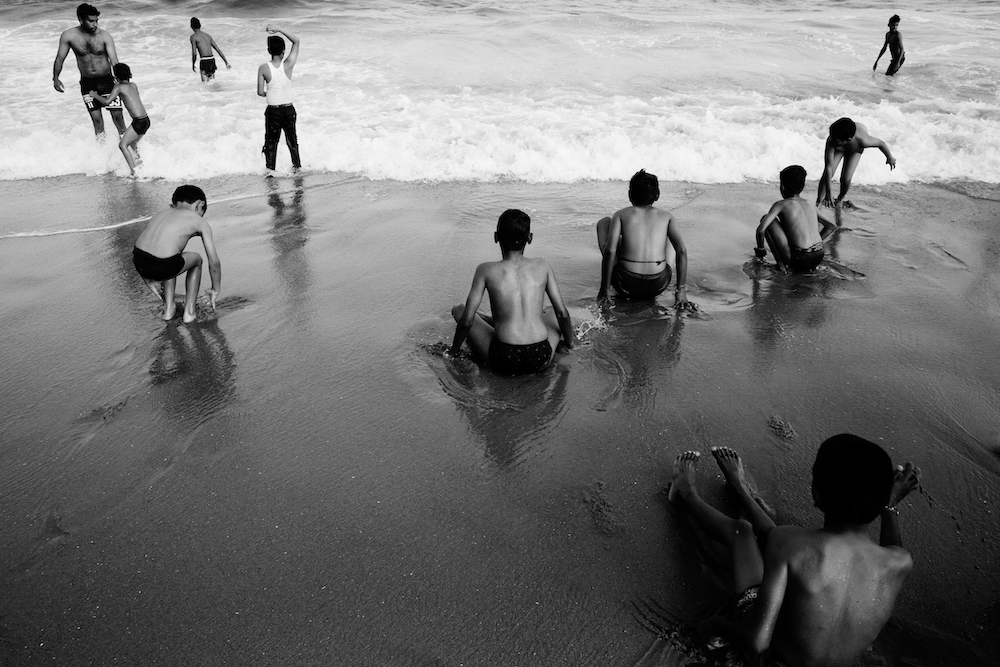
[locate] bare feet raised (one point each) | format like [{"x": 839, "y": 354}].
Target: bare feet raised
[
  {"x": 732, "y": 467},
  {"x": 683, "y": 482}
]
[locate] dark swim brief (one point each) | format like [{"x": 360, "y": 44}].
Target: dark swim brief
[
  {"x": 895, "y": 65},
  {"x": 512, "y": 360},
  {"x": 101, "y": 84},
  {"x": 806, "y": 259},
  {"x": 156, "y": 268},
  {"x": 638, "y": 286},
  {"x": 207, "y": 65},
  {"x": 140, "y": 125}
]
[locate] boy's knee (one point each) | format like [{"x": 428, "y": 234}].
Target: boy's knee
[{"x": 743, "y": 529}]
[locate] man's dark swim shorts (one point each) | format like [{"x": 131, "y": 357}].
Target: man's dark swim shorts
[
  {"x": 156, "y": 268},
  {"x": 806, "y": 259},
  {"x": 207, "y": 65},
  {"x": 141, "y": 125},
  {"x": 103, "y": 85},
  {"x": 638, "y": 286},
  {"x": 511, "y": 360}
]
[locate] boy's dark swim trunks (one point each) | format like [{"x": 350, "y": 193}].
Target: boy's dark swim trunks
[
  {"x": 140, "y": 125},
  {"x": 637, "y": 286},
  {"x": 511, "y": 360},
  {"x": 100, "y": 84},
  {"x": 806, "y": 259},
  {"x": 207, "y": 65},
  {"x": 156, "y": 268}
]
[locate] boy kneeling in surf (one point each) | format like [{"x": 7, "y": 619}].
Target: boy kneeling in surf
[
  {"x": 807, "y": 597},
  {"x": 519, "y": 339}
]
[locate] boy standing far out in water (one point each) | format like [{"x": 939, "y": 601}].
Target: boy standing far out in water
[
  {"x": 159, "y": 254},
  {"x": 796, "y": 240},
  {"x": 202, "y": 44},
  {"x": 95, "y": 56},
  {"x": 847, "y": 141},
  {"x": 893, "y": 40},
  {"x": 129, "y": 92},
  {"x": 519, "y": 339},
  {"x": 274, "y": 81},
  {"x": 807, "y": 597},
  {"x": 644, "y": 235}
]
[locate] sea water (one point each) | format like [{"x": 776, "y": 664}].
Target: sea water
[{"x": 533, "y": 90}]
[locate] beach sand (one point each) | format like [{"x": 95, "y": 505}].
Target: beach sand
[{"x": 302, "y": 478}]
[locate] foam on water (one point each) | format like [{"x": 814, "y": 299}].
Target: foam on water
[{"x": 553, "y": 91}]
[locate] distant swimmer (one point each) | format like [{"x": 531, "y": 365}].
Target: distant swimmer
[
  {"x": 894, "y": 41},
  {"x": 847, "y": 141},
  {"x": 519, "y": 339},
  {"x": 805, "y": 596},
  {"x": 95, "y": 56},
  {"x": 793, "y": 228},
  {"x": 274, "y": 81},
  {"x": 644, "y": 235},
  {"x": 202, "y": 45},
  {"x": 159, "y": 254},
  {"x": 129, "y": 93}
]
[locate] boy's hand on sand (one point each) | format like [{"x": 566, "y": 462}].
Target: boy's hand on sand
[
  {"x": 213, "y": 295},
  {"x": 907, "y": 479},
  {"x": 826, "y": 201}
]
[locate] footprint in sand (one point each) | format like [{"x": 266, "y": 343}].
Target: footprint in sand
[{"x": 782, "y": 428}]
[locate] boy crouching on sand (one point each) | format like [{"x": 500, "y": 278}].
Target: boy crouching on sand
[
  {"x": 813, "y": 597},
  {"x": 159, "y": 255},
  {"x": 129, "y": 92},
  {"x": 847, "y": 141},
  {"x": 796, "y": 240},
  {"x": 519, "y": 339}
]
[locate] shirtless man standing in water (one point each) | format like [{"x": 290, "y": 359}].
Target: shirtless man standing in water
[
  {"x": 808, "y": 597},
  {"x": 95, "y": 56},
  {"x": 519, "y": 339}
]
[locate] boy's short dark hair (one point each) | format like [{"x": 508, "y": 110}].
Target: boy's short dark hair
[
  {"x": 122, "y": 72},
  {"x": 643, "y": 189},
  {"x": 852, "y": 478},
  {"x": 793, "y": 179},
  {"x": 513, "y": 229},
  {"x": 189, "y": 194},
  {"x": 85, "y": 10},
  {"x": 843, "y": 129},
  {"x": 275, "y": 45},
  {"x": 894, "y": 19},
  {"x": 195, "y": 24}
]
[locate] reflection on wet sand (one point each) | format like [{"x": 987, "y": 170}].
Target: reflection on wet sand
[
  {"x": 193, "y": 372},
  {"x": 289, "y": 235}
]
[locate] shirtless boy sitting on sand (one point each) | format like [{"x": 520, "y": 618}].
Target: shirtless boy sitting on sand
[
  {"x": 519, "y": 339},
  {"x": 644, "y": 234},
  {"x": 159, "y": 254},
  {"x": 796, "y": 241},
  {"x": 814, "y": 597},
  {"x": 847, "y": 141}
]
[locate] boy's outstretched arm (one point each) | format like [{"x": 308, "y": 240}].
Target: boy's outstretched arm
[
  {"x": 221, "y": 54},
  {"x": 471, "y": 306},
  {"x": 214, "y": 263},
  {"x": 609, "y": 255},
  {"x": 827, "y": 227},
  {"x": 765, "y": 222},
  {"x": 194, "y": 54},
  {"x": 681, "y": 258},
  {"x": 562, "y": 313},
  {"x": 907, "y": 478},
  {"x": 293, "y": 53},
  {"x": 884, "y": 46},
  {"x": 825, "y": 194},
  {"x": 889, "y": 159},
  {"x": 106, "y": 100}
]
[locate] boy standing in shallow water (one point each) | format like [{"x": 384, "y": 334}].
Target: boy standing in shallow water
[
  {"x": 796, "y": 240},
  {"x": 519, "y": 339},
  {"x": 847, "y": 141},
  {"x": 811, "y": 597},
  {"x": 129, "y": 92},
  {"x": 893, "y": 40},
  {"x": 159, "y": 255}
]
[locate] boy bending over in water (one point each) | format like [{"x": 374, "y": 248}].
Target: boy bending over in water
[
  {"x": 159, "y": 255},
  {"x": 797, "y": 240},
  {"x": 129, "y": 92},
  {"x": 813, "y": 597},
  {"x": 847, "y": 141},
  {"x": 519, "y": 339}
]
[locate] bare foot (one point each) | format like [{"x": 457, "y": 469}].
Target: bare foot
[
  {"x": 683, "y": 482},
  {"x": 169, "y": 310},
  {"x": 732, "y": 467},
  {"x": 190, "y": 317}
]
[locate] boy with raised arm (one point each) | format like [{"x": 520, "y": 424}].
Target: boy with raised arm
[
  {"x": 894, "y": 41},
  {"x": 807, "y": 597},
  {"x": 159, "y": 254},
  {"x": 129, "y": 93},
  {"x": 201, "y": 45},
  {"x": 636, "y": 244},
  {"x": 847, "y": 141},
  {"x": 519, "y": 339},
  {"x": 796, "y": 240},
  {"x": 274, "y": 81}
]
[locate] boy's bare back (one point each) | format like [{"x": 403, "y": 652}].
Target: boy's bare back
[
  {"x": 517, "y": 289},
  {"x": 643, "y": 233},
  {"x": 799, "y": 220},
  {"x": 169, "y": 231}
]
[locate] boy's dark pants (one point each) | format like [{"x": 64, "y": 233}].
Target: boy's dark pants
[{"x": 276, "y": 119}]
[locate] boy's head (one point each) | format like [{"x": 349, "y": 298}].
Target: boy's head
[
  {"x": 275, "y": 45},
  {"x": 85, "y": 10},
  {"x": 852, "y": 479},
  {"x": 195, "y": 24},
  {"x": 190, "y": 194},
  {"x": 843, "y": 130},
  {"x": 643, "y": 189},
  {"x": 792, "y": 179},
  {"x": 894, "y": 21},
  {"x": 122, "y": 72},
  {"x": 513, "y": 230}
]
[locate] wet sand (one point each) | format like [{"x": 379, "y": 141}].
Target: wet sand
[{"x": 302, "y": 478}]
